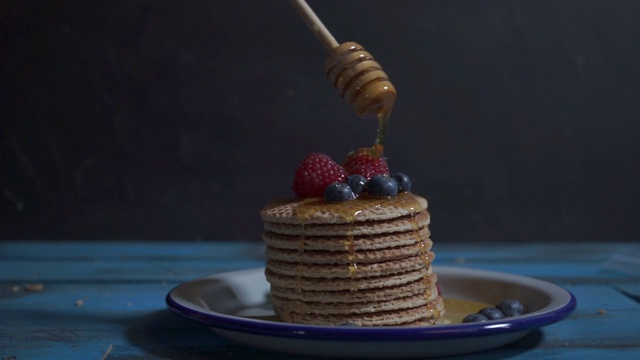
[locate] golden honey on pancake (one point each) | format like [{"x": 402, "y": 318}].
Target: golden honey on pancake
[{"x": 365, "y": 261}]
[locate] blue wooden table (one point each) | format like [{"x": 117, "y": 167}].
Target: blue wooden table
[{"x": 105, "y": 300}]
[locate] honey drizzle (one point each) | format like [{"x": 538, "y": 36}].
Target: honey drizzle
[
  {"x": 351, "y": 256},
  {"x": 377, "y": 150},
  {"x": 349, "y": 211},
  {"x": 422, "y": 248},
  {"x": 300, "y": 266},
  {"x": 433, "y": 312},
  {"x": 383, "y": 120}
]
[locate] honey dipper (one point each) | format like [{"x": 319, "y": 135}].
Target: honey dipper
[{"x": 352, "y": 70}]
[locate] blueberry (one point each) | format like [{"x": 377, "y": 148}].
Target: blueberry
[
  {"x": 491, "y": 313},
  {"x": 404, "y": 183},
  {"x": 474, "y": 318},
  {"x": 356, "y": 183},
  {"x": 511, "y": 308},
  {"x": 382, "y": 185},
  {"x": 337, "y": 192}
]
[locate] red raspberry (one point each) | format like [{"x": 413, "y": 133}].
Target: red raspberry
[
  {"x": 316, "y": 172},
  {"x": 362, "y": 162}
]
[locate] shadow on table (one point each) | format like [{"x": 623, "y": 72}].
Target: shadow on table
[
  {"x": 529, "y": 342},
  {"x": 164, "y": 334}
]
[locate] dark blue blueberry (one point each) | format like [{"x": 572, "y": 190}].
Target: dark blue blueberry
[
  {"x": 511, "y": 308},
  {"x": 337, "y": 192},
  {"x": 382, "y": 185},
  {"x": 474, "y": 318},
  {"x": 356, "y": 183},
  {"x": 404, "y": 183},
  {"x": 491, "y": 313}
]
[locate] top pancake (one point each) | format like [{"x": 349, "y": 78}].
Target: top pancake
[{"x": 318, "y": 211}]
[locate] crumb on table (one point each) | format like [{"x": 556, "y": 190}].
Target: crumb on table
[{"x": 33, "y": 287}]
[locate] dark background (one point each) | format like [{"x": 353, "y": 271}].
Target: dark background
[{"x": 140, "y": 119}]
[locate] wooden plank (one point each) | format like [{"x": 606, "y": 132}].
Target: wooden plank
[
  {"x": 118, "y": 271},
  {"x": 133, "y": 318},
  {"x": 122, "y": 288},
  {"x": 145, "y": 261},
  {"x": 593, "y": 298},
  {"x": 87, "y": 250},
  {"x": 187, "y": 269},
  {"x": 128, "y": 298},
  {"x": 61, "y": 298},
  {"x": 447, "y": 251}
]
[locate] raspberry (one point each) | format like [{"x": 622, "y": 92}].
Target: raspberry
[
  {"x": 315, "y": 173},
  {"x": 362, "y": 162}
]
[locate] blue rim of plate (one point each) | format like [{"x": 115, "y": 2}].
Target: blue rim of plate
[{"x": 525, "y": 322}]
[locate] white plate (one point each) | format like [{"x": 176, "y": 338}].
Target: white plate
[{"x": 233, "y": 303}]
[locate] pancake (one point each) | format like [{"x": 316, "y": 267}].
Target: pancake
[
  {"x": 336, "y": 243},
  {"x": 365, "y": 261},
  {"x": 317, "y": 211},
  {"x": 344, "y": 256},
  {"x": 378, "y": 294},
  {"x": 419, "y": 316},
  {"x": 363, "y": 228}
]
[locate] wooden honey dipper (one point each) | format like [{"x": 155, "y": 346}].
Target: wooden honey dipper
[{"x": 352, "y": 70}]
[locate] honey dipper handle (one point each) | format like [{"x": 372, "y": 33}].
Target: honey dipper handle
[{"x": 315, "y": 24}]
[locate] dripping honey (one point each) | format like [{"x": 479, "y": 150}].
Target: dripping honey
[{"x": 350, "y": 211}]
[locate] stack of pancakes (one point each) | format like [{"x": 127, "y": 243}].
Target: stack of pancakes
[{"x": 364, "y": 262}]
